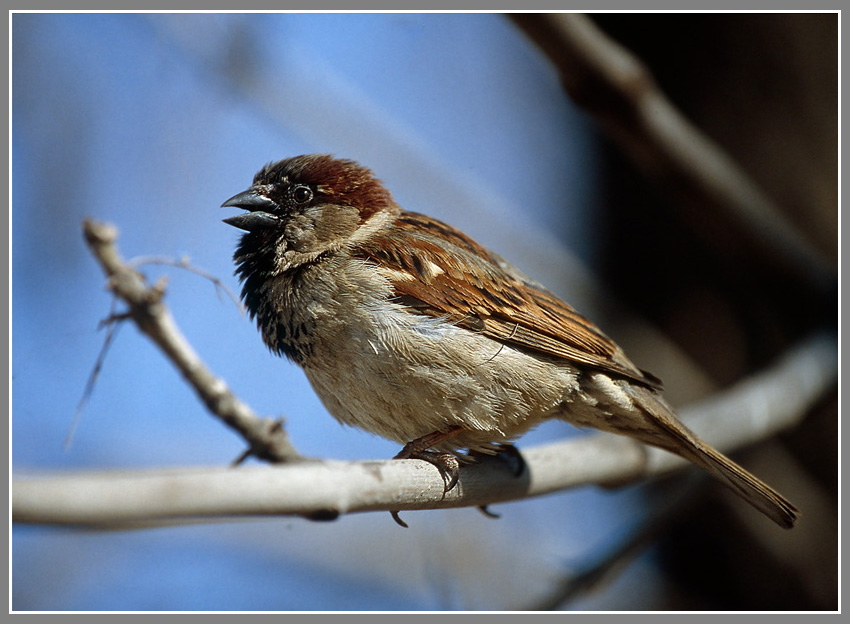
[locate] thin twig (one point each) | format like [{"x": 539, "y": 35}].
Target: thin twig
[
  {"x": 265, "y": 437},
  {"x": 111, "y": 331},
  {"x": 723, "y": 203},
  {"x": 183, "y": 263}
]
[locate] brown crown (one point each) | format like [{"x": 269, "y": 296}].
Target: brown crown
[{"x": 336, "y": 181}]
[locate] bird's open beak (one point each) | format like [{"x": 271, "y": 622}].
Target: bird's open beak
[{"x": 261, "y": 209}]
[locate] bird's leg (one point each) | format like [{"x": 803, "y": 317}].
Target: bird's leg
[{"x": 446, "y": 463}]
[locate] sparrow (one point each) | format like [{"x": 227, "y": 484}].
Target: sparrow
[{"x": 408, "y": 328}]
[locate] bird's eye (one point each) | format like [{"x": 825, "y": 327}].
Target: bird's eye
[{"x": 302, "y": 194}]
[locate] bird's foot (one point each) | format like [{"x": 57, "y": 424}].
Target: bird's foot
[{"x": 446, "y": 463}]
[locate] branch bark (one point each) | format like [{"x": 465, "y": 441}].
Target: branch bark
[{"x": 752, "y": 410}]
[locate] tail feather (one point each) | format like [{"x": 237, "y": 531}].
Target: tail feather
[
  {"x": 677, "y": 438},
  {"x": 749, "y": 487}
]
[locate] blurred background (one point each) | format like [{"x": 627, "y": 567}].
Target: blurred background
[{"x": 150, "y": 121}]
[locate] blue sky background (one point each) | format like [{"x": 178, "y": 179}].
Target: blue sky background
[{"x": 150, "y": 122}]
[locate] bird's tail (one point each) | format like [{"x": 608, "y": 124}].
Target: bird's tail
[{"x": 677, "y": 438}]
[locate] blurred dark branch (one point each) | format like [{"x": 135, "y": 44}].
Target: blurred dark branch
[
  {"x": 593, "y": 575},
  {"x": 266, "y": 437},
  {"x": 720, "y": 201}
]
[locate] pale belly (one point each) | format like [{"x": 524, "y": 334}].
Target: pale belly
[{"x": 409, "y": 376}]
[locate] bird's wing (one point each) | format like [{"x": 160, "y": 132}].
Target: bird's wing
[{"x": 439, "y": 271}]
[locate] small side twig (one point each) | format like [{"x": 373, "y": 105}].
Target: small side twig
[
  {"x": 183, "y": 263},
  {"x": 111, "y": 332},
  {"x": 265, "y": 437}
]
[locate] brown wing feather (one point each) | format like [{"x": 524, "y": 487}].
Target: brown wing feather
[{"x": 469, "y": 287}]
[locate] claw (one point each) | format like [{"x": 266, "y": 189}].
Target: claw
[
  {"x": 449, "y": 468},
  {"x": 446, "y": 463},
  {"x": 398, "y": 519},
  {"x": 486, "y": 511}
]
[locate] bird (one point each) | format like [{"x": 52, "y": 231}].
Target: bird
[{"x": 408, "y": 328}]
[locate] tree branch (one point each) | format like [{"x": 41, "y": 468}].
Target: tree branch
[
  {"x": 752, "y": 410},
  {"x": 723, "y": 204},
  {"x": 266, "y": 437}
]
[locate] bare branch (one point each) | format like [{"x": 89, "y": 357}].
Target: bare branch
[
  {"x": 266, "y": 437},
  {"x": 752, "y": 410},
  {"x": 723, "y": 203}
]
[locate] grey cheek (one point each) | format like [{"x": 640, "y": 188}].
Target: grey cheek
[{"x": 300, "y": 233}]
